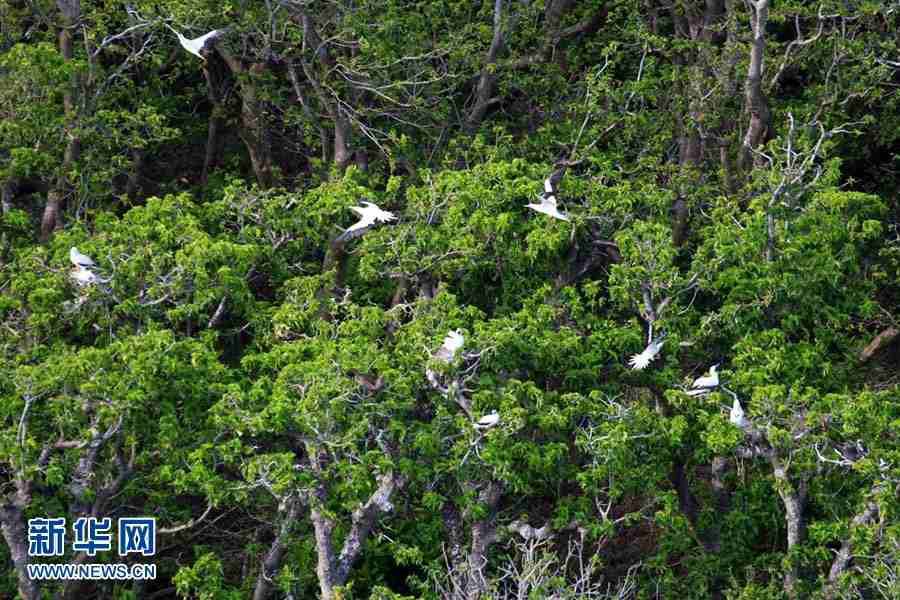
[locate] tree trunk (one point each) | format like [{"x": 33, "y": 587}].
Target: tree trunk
[
  {"x": 325, "y": 553},
  {"x": 15, "y": 533},
  {"x": 50, "y": 220},
  {"x": 254, "y": 130},
  {"x": 255, "y": 134},
  {"x": 362, "y": 159},
  {"x": 210, "y": 158},
  {"x": 484, "y": 534},
  {"x": 722, "y": 504},
  {"x": 690, "y": 147},
  {"x": 757, "y": 104},
  {"x": 770, "y": 233},
  {"x": 7, "y": 193},
  {"x": 134, "y": 178},
  {"x": 333, "y": 569},
  {"x": 212, "y": 146},
  {"x": 686, "y": 501},
  {"x": 325, "y": 140},
  {"x": 794, "y": 520},
  {"x": 794, "y": 499},
  {"x": 845, "y": 553},
  {"x": 265, "y": 583},
  {"x": 342, "y": 153},
  {"x": 487, "y": 81},
  {"x": 553, "y": 35}
]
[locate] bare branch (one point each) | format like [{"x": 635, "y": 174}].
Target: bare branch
[
  {"x": 364, "y": 517},
  {"x": 866, "y": 515},
  {"x": 881, "y": 340},
  {"x": 799, "y": 42},
  {"x": 191, "y": 523}
]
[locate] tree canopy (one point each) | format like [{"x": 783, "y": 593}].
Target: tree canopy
[{"x": 273, "y": 390}]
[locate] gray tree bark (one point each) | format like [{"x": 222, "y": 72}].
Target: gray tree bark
[
  {"x": 332, "y": 567},
  {"x": 756, "y": 103},
  {"x": 70, "y": 13},
  {"x": 265, "y": 583}
]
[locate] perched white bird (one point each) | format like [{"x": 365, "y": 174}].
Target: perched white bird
[
  {"x": 198, "y": 45},
  {"x": 452, "y": 343},
  {"x": 705, "y": 384},
  {"x": 369, "y": 214},
  {"x": 640, "y": 361},
  {"x": 80, "y": 260},
  {"x": 737, "y": 415},
  {"x": 83, "y": 276},
  {"x": 488, "y": 420}
]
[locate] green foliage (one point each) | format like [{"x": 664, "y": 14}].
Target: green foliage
[
  {"x": 205, "y": 580},
  {"x": 254, "y": 380}
]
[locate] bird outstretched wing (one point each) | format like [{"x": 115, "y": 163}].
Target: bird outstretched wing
[
  {"x": 360, "y": 225},
  {"x": 640, "y": 361},
  {"x": 698, "y": 392},
  {"x": 369, "y": 214},
  {"x": 205, "y": 40}
]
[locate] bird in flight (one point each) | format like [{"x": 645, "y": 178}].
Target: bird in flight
[
  {"x": 737, "y": 416},
  {"x": 548, "y": 203},
  {"x": 369, "y": 214},
  {"x": 650, "y": 353},
  {"x": 488, "y": 420},
  {"x": 198, "y": 45},
  {"x": 705, "y": 384}
]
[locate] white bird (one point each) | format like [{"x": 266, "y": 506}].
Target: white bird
[
  {"x": 548, "y": 207},
  {"x": 80, "y": 260},
  {"x": 83, "y": 276},
  {"x": 737, "y": 415},
  {"x": 705, "y": 384},
  {"x": 640, "y": 361},
  {"x": 488, "y": 420},
  {"x": 452, "y": 343},
  {"x": 197, "y": 45},
  {"x": 548, "y": 186},
  {"x": 369, "y": 214},
  {"x": 548, "y": 202}
]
